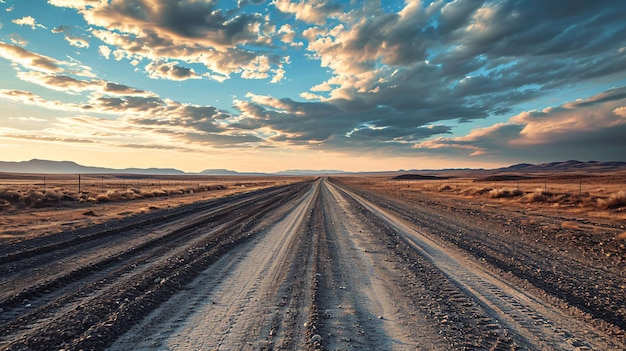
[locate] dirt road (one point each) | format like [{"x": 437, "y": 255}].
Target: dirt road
[{"x": 312, "y": 265}]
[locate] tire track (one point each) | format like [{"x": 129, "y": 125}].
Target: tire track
[{"x": 361, "y": 303}]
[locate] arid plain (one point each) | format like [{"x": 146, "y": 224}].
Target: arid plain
[{"x": 404, "y": 261}]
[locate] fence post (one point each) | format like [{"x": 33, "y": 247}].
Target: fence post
[
  {"x": 580, "y": 189},
  {"x": 79, "y": 184},
  {"x": 44, "y": 183}
]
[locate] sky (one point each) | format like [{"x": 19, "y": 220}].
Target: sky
[{"x": 271, "y": 85}]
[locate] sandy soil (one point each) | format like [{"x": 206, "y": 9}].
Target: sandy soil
[{"x": 334, "y": 264}]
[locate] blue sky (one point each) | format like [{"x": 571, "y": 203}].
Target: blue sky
[{"x": 255, "y": 85}]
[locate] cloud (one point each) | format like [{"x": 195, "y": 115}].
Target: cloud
[
  {"x": 29, "y": 59},
  {"x": 28, "y": 21},
  {"x": 171, "y": 71},
  {"x": 462, "y": 60},
  {"x": 71, "y": 39},
  {"x": 584, "y": 129},
  {"x": 225, "y": 42},
  {"x": 57, "y": 82},
  {"x": 77, "y": 4},
  {"x": 105, "y": 51},
  {"x": 316, "y": 11}
]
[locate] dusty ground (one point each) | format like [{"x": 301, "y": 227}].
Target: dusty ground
[
  {"x": 333, "y": 264},
  {"x": 71, "y": 210}
]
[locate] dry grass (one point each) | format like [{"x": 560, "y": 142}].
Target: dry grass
[
  {"x": 614, "y": 200},
  {"x": 29, "y": 207},
  {"x": 504, "y": 192},
  {"x": 599, "y": 195},
  {"x": 537, "y": 196},
  {"x": 24, "y": 197}
]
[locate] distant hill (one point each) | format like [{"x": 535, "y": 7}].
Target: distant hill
[
  {"x": 413, "y": 176},
  {"x": 305, "y": 172},
  {"x": 218, "y": 172},
  {"x": 60, "y": 167},
  {"x": 565, "y": 166}
]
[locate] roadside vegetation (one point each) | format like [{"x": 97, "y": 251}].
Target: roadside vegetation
[{"x": 59, "y": 196}]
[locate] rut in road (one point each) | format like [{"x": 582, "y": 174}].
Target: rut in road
[{"x": 535, "y": 324}]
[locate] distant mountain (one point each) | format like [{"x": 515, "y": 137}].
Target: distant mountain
[
  {"x": 565, "y": 166},
  {"x": 60, "y": 167},
  {"x": 218, "y": 172},
  {"x": 413, "y": 176}
]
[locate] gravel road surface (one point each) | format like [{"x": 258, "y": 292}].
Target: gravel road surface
[{"x": 317, "y": 265}]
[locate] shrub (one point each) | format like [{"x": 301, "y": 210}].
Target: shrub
[
  {"x": 32, "y": 198},
  {"x": 10, "y": 196},
  {"x": 445, "y": 188},
  {"x": 157, "y": 193},
  {"x": 103, "y": 198},
  {"x": 537, "y": 196},
  {"x": 614, "y": 200},
  {"x": 504, "y": 192},
  {"x": 52, "y": 196}
]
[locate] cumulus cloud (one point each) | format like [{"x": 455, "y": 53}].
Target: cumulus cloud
[
  {"x": 225, "y": 42},
  {"x": 315, "y": 11},
  {"x": 171, "y": 71},
  {"x": 28, "y": 21},
  {"x": 105, "y": 51},
  {"x": 29, "y": 59}
]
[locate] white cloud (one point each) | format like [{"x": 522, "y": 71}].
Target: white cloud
[
  {"x": 104, "y": 51},
  {"x": 186, "y": 31},
  {"x": 29, "y": 59},
  {"x": 313, "y": 11},
  {"x": 170, "y": 71},
  {"x": 28, "y": 21}
]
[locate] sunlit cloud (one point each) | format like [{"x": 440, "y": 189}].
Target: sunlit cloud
[
  {"x": 589, "y": 127},
  {"x": 28, "y": 21},
  {"x": 29, "y": 59}
]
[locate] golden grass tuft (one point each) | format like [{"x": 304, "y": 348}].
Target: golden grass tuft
[
  {"x": 614, "y": 200},
  {"x": 504, "y": 193},
  {"x": 537, "y": 196}
]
